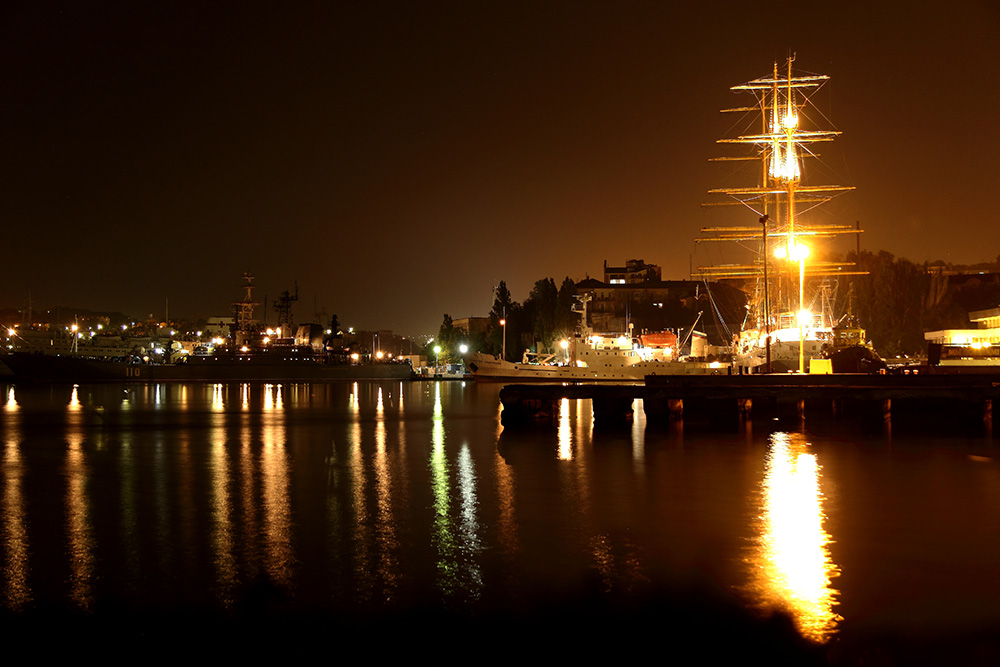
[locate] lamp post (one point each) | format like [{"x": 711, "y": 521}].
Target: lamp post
[
  {"x": 503, "y": 323},
  {"x": 798, "y": 252},
  {"x": 767, "y": 308},
  {"x": 802, "y": 251},
  {"x": 437, "y": 352}
]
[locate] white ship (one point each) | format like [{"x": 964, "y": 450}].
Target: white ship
[{"x": 591, "y": 357}]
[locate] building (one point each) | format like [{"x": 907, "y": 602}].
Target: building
[
  {"x": 635, "y": 271},
  {"x": 472, "y": 325},
  {"x": 652, "y": 305},
  {"x": 635, "y": 294},
  {"x": 987, "y": 331}
]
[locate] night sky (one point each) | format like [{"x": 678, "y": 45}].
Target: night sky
[{"x": 398, "y": 159}]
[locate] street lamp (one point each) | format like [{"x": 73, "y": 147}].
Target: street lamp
[
  {"x": 437, "y": 351},
  {"x": 767, "y": 306},
  {"x": 798, "y": 252},
  {"x": 503, "y": 323}
]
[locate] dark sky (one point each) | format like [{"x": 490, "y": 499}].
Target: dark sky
[{"x": 398, "y": 159}]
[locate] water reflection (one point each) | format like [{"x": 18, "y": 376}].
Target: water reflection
[
  {"x": 469, "y": 522},
  {"x": 638, "y": 433},
  {"x": 565, "y": 439},
  {"x": 457, "y": 543},
  {"x": 444, "y": 539},
  {"x": 78, "y": 522},
  {"x": 792, "y": 565},
  {"x": 17, "y": 592},
  {"x": 274, "y": 474},
  {"x": 388, "y": 566},
  {"x": 181, "y": 497},
  {"x": 221, "y": 502},
  {"x": 129, "y": 509}
]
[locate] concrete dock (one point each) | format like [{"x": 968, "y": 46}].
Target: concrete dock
[{"x": 671, "y": 397}]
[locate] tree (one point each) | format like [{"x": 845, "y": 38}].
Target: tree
[
  {"x": 566, "y": 320},
  {"x": 448, "y": 339},
  {"x": 540, "y": 307},
  {"x": 890, "y": 302},
  {"x": 504, "y": 308}
]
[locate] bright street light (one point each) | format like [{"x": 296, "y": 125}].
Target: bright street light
[{"x": 503, "y": 323}]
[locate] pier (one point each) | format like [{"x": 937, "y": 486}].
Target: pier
[{"x": 672, "y": 397}]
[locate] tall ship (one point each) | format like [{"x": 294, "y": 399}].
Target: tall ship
[
  {"x": 250, "y": 353},
  {"x": 791, "y": 293}
]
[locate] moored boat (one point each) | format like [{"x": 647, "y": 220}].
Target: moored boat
[
  {"x": 250, "y": 354},
  {"x": 590, "y": 357},
  {"x": 253, "y": 365},
  {"x": 788, "y": 322}
]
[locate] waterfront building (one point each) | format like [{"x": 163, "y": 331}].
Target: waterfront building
[
  {"x": 634, "y": 271},
  {"x": 986, "y": 331}
]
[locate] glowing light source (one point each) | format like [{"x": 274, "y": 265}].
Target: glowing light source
[{"x": 795, "y": 252}]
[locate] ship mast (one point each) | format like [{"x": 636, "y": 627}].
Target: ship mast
[
  {"x": 781, "y": 146},
  {"x": 243, "y": 314}
]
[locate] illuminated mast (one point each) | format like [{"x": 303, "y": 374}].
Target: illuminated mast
[
  {"x": 243, "y": 320},
  {"x": 780, "y": 146}
]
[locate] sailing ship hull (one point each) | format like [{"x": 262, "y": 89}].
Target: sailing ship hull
[{"x": 784, "y": 355}]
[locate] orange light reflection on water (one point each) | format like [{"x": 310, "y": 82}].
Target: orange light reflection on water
[
  {"x": 792, "y": 564},
  {"x": 16, "y": 590}
]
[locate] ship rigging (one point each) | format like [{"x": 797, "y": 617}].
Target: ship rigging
[{"x": 780, "y": 201}]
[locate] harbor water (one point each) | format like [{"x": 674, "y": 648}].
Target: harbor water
[{"x": 160, "y": 513}]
